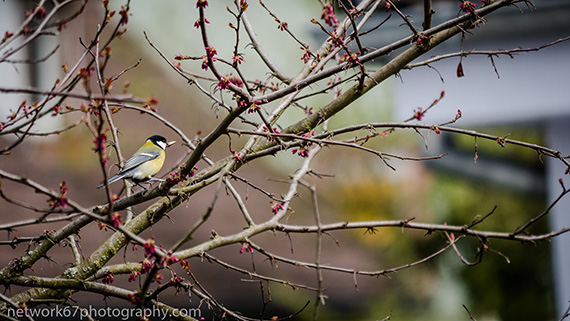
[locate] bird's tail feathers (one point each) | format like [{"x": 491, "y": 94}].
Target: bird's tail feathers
[{"x": 112, "y": 179}]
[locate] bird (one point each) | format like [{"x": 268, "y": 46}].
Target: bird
[{"x": 144, "y": 163}]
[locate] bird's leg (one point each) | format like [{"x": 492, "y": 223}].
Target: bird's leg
[{"x": 141, "y": 186}]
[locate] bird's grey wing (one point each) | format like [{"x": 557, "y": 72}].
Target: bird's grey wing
[{"x": 138, "y": 159}]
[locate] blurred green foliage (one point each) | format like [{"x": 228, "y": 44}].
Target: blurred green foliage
[{"x": 512, "y": 282}]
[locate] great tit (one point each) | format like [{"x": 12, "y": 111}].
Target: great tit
[{"x": 144, "y": 163}]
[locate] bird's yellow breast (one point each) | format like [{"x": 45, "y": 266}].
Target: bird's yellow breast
[{"x": 150, "y": 168}]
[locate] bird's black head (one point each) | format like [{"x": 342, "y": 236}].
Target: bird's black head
[{"x": 158, "y": 141}]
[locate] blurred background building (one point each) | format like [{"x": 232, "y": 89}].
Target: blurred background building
[{"x": 526, "y": 93}]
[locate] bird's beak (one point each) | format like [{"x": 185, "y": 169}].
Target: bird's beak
[{"x": 170, "y": 143}]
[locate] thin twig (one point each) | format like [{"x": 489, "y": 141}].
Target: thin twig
[{"x": 489, "y": 53}]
